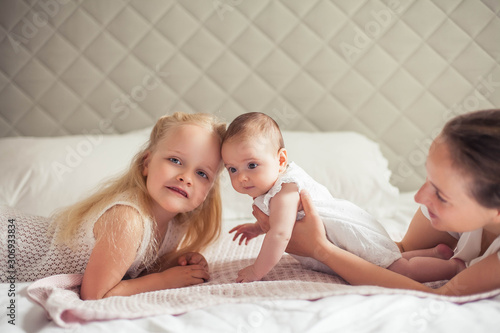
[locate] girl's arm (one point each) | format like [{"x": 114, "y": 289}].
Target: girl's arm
[
  {"x": 309, "y": 239},
  {"x": 118, "y": 236},
  {"x": 283, "y": 212},
  {"x": 421, "y": 235}
]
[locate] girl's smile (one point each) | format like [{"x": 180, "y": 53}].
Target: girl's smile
[
  {"x": 181, "y": 170},
  {"x": 178, "y": 190}
]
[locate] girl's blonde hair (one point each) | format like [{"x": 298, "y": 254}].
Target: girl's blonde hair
[{"x": 203, "y": 223}]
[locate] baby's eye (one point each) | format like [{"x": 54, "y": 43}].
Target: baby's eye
[
  {"x": 252, "y": 165},
  {"x": 231, "y": 170},
  {"x": 174, "y": 160},
  {"x": 202, "y": 174}
]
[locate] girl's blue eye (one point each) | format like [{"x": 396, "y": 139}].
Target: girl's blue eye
[
  {"x": 174, "y": 160},
  {"x": 202, "y": 174},
  {"x": 252, "y": 165},
  {"x": 231, "y": 170}
]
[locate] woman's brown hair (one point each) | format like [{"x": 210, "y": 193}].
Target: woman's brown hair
[{"x": 474, "y": 143}]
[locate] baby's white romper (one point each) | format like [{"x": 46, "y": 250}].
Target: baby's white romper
[{"x": 347, "y": 225}]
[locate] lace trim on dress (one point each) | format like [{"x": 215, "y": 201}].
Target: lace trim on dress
[{"x": 286, "y": 178}]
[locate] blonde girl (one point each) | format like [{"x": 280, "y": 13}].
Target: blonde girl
[{"x": 143, "y": 230}]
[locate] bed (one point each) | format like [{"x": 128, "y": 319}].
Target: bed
[
  {"x": 52, "y": 172},
  {"x": 370, "y": 82}
]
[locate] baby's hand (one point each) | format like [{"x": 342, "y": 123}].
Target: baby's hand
[
  {"x": 248, "y": 274},
  {"x": 247, "y": 232}
]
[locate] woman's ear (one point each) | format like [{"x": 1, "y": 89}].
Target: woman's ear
[
  {"x": 283, "y": 159},
  {"x": 145, "y": 163},
  {"x": 496, "y": 218}
]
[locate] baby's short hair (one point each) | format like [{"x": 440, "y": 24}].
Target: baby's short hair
[{"x": 255, "y": 126}]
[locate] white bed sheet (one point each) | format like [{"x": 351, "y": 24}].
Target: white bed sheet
[{"x": 353, "y": 313}]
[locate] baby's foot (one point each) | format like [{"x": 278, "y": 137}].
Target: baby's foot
[{"x": 443, "y": 251}]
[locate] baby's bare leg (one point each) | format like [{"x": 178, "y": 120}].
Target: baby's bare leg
[
  {"x": 426, "y": 269},
  {"x": 440, "y": 251}
]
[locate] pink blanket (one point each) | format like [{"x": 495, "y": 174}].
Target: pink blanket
[{"x": 59, "y": 294}]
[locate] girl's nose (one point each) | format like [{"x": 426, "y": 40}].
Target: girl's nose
[{"x": 185, "y": 179}]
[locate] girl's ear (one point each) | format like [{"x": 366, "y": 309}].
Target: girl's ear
[
  {"x": 283, "y": 159},
  {"x": 145, "y": 163}
]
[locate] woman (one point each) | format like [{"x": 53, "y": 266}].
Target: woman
[{"x": 460, "y": 207}]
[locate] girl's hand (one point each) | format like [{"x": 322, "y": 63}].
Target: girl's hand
[
  {"x": 184, "y": 276},
  {"x": 193, "y": 258},
  {"x": 308, "y": 236},
  {"x": 247, "y": 232},
  {"x": 247, "y": 274}
]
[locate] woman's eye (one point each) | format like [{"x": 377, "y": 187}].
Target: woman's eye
[
  {"x": 252, "y": 165},
  {"x": 174, "y": 160},
  {"x": 440, "y": 198},
  {"x": 202, "y": 174},
  {"x": 231, "y": 170}
]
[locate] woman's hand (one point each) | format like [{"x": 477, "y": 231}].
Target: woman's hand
[{"x": 308, "y": 236}]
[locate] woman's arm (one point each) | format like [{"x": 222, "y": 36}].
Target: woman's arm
[
  {"x": 283, "y": 212},
  {"x": 118, "y": 235},
  {"x": 421, "y": 235},
  {"x": 309, "y": 239}
]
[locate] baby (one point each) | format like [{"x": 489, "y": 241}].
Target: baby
[{"x": 256, "y": 159}]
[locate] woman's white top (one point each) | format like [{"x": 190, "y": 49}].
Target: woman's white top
[
  {"x": 469, "y": 244},
  {"x": 347, "y": 225}
]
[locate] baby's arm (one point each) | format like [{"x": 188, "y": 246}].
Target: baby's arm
[
  {"x": 247, "y": 232},
  {"x": 283, "y": 212}
]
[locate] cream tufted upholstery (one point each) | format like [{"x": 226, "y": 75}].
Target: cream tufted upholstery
[{"x": 394, "y": 70}]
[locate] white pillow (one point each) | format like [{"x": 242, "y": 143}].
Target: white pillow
[
  {"x": 349, "y": 164},
  {"x": 39, "y": 175}
]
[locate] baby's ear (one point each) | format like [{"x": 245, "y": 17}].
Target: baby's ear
[{"x": 283, "y": 159}]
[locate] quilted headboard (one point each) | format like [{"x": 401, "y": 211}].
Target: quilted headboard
[{"x": 394, "y": 70}]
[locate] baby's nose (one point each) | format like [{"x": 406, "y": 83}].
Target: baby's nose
[{"x": 242, "y": 177}]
